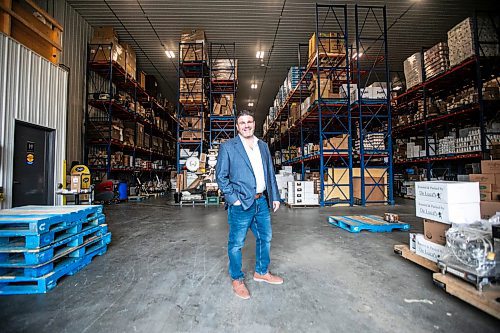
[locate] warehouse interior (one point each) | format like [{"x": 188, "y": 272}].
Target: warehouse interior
[{"x": 382, "y": 120}]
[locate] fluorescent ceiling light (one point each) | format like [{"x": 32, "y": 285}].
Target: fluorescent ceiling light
[
  {"x": 355, "y": 55},
  {"x": 170, "y": 54},
  {"x": 254, "y": 86},
  {"x": 259, "y": 55},
  {"x": 250, "y": 104}
]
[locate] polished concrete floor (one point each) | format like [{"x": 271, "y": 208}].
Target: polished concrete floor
[{"x": 166, "y": 271}]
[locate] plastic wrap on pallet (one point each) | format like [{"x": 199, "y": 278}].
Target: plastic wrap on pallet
[
  {"x": 436, "y": 60},
  {"x": 470, "y": 247},
  {"x": 413, "y": 70},
  {"x": 461, "y": 40}
]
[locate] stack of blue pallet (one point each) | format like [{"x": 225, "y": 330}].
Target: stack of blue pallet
[{"x": 41, "y": 244}]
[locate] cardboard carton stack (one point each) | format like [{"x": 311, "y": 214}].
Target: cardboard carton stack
[
  {"x": 284, "y": 176},
  {"x": 489, "y": 186},
  {"x": 193, "y": 46},
  {"x": 461, "y": 40},
  {"x": 436, "y": 60},
  {"x": 224, "y": 69},
  {"x": 193, "y": 128},
  {"x": 191, "y": 90},
  {"x": 301, "y": 193},
  {"x": 441, "y": 203},
  {"x": 413, "y": 70},
  {"x": 105, "y": 47},
  {"x": 330, "y": 44},
  {"x": 223, "y": 105}
]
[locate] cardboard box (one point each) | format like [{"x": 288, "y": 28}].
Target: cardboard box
[
  {"x": 485, "y": 196},
  {"x": 447, "y": 192},
  {"x": 428, "y": 249},
  {"x": 490, "y": 166},
  {"x": 485, "y": 187},
  {"x": 435, "y": 231},
  {"x": 141, "y": 78},
  {"x": 76, "y": 183},
  {"x": 495, "y": 196},
  {"x": 489, "y": 208},
  {"x": 482, "y": 178},
  {"x": 459, "y": 213}
]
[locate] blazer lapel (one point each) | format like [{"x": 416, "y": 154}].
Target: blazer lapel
[{"x": 243, "y": 153}]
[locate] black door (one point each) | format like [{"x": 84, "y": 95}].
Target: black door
[{"x": 33, "y": 181}]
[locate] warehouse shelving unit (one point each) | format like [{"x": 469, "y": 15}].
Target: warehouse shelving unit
[
  {"x": 471, "y": 72},
  {"x": 373, "y": 113},
  {"x": 325, "y": 117},
  {"x": 193, "y": 74},
  {"x": 223, "y": 85},
  {"x": 108, "y": 85}
]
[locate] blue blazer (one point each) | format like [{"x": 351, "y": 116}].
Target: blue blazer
[{"x": 235, "y": 174}]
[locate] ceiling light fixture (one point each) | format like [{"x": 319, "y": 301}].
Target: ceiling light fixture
[
  {"x": 355, "y": 55},
  {"x": 259, "y": 55},
  {"x": 250, "y": 104},
  {"x": 254, "y": 86},
  {"x": 170, "y": 54}
]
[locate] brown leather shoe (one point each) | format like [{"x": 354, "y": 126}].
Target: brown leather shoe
[
  {"x": 240, "y": 289},
  {"x": 268, "y": 277}
]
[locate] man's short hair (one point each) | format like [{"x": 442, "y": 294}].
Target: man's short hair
[{"x": 242, "y": 113}]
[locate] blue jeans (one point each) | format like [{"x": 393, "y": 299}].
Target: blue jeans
[{"x": 257, "y": 218}]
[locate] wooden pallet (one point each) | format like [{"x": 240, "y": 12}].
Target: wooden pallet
[
  {"x": 372, "y": 223},
  {"x": 487, "y": 300},
  {"x": 404, "y": 251}
]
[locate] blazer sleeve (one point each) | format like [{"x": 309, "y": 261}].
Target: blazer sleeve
[
  {"x": 274, "y": 185},
  {"x": 222, "y": 175}
]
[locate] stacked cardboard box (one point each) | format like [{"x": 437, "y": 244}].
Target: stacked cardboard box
[
  {"x": 223, "y": 105},
  {"x": 105, "y": 47},
  {"x": 190, "y": 90},
  {"x": 284, "y": 176},
  {"x": 193, "y": 46},
  {"x": 224, "y": 69},
  {"x": 441, "y": 203},
  {"x": 301, "y": 193},
  {"x": 489, "y": 185},
  {"x": 339, "y": 142},
  {"x": 413, "y": 70},
  {"x": 326, "y": 87},
  {"x": 436, "y": 60},
  {"x": 461, "y": 40},
  {"x": 330, "y": 44},
  {"x": 130, "y": 61},
  {"x": 372, "y": 141}
]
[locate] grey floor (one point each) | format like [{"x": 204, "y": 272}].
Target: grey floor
[{"x": 166, "y": 271}]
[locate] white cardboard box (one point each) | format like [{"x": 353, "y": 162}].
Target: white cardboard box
[
  {"x": 447, "y": 191},
  {"x": 448, "y": 213},
  {"x": 428, "y": 249}
]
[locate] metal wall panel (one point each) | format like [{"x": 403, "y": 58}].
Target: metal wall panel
[
  {"x": 77, "y": 34},
  {"x": 35, "y": 91}
]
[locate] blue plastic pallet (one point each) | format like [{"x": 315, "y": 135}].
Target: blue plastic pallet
[
  {"x": 21, "y": 285},
  {"x": 371, "y": 223},
  {"x": 18, "y": 269},
  {"x": 29, "y": 220},
  {"x": 12, "y": 241}
]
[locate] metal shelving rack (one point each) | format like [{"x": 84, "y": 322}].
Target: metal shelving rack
[
  {"x": 326, "y": 117},
  {"x": 223, "y": 82},
  {"x": 373, "y": 115},
  {"x": 471, "y": 72},
  {"x": 191, "y": 103},
  {"x": 106, "y": 77}
]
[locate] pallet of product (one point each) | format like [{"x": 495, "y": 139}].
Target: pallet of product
[
  {"x": 485, "y": 300},
  {"x": 16, "y": 285}
]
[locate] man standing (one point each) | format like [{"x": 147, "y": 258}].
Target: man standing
[{"x": 244, "y": 171}]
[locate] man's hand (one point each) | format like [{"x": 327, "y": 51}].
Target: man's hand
[{"x": 276, "y": 206}]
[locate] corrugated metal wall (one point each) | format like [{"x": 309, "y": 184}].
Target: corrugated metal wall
[
  {"x": 77, "y": 34},
  {"x": 35, "y": 91}
]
